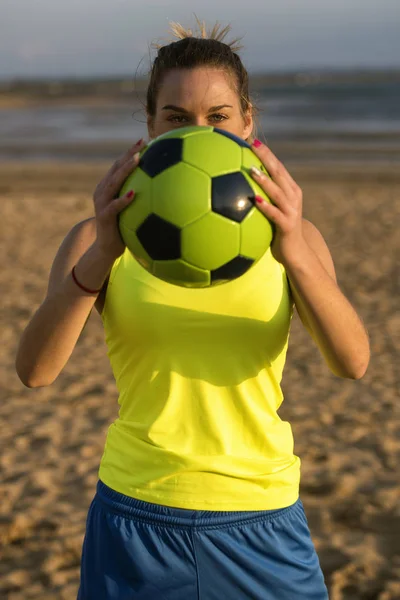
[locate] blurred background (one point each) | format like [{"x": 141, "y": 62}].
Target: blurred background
[{"x": 325, "y": 77}]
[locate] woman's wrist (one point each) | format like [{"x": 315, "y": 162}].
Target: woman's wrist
[{"x": 92, "y": 269}]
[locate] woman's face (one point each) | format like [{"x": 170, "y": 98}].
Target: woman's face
[{"x": 201, "y": 96}]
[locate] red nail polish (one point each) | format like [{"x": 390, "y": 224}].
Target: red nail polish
[
  {"x": 130, "y": 194},
  {"x": 259, "y": 199},
  {"x": 257, "y": 143}
]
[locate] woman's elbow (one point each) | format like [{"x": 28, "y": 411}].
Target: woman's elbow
[
  {"x": 29, "y": 377},
  {"x": 354, "y": 371},
  {"x": 32, "y": 381}
]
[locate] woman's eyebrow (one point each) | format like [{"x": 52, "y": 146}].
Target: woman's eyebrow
[{"x": 182, "y": 110}]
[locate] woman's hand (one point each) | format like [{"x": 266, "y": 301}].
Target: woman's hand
[
  {"x": 107, "y": 206},
  {"x": 285, "y": 212}
]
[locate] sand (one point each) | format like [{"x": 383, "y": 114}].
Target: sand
[{"x": 347, "y": 433}]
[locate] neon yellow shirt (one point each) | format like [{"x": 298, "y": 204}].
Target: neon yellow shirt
[{"x": 198, "y": 373}]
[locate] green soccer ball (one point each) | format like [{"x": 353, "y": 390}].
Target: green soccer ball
[{"x": 193, "y": 221}]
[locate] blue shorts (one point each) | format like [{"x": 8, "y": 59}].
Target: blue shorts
[{"x": 134, "y": 550}]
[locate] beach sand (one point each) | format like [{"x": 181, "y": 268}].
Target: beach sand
[{"x": 347, "y": 433}]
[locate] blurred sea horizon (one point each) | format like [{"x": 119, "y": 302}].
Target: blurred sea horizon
[{"x": 310, "y": 116}]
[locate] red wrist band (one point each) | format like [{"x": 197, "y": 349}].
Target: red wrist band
[{"x": 85, "y": 289}]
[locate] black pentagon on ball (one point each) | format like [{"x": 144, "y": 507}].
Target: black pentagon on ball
[
  {"x": 232, "y": 269},
  {"x": 231, "y": 196},
  {"x": 160, "y": 239},
  {"x": 161, "y": 155},
  {"x": 233, "y": 137}
]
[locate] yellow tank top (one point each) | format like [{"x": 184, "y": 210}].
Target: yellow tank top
[{"x": 198, "y": 373}]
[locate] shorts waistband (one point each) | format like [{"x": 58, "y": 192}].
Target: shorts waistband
[{"x": 182, "y": 517}]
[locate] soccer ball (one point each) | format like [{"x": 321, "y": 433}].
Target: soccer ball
[{"x": 193, "y": 221}]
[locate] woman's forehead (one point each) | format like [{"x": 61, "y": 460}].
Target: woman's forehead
[{"x": 200, "y": 86}]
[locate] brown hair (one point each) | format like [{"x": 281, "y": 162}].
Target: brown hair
[{"x": 190, "y": 52}]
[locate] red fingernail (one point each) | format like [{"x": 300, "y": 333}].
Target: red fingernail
[
  {"x": 259, "y": 199},
  {"x": 257, "y": 143},
  {"x": 130, "y": 194}
]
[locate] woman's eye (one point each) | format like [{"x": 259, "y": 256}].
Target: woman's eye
[
  {"x": 218, "y": 118},
  {"x": 177, "y": 119}
]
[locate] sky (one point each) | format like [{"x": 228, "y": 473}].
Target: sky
[{"x": 78, "y": 38}]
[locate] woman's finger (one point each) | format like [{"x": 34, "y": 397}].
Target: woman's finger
[
  {"x": 273, "y": 213},
  {"x": 126, "y": 168},
  {"x": 105, "y": 183},
  {"x": 118, "y": 204},
  {"x": 127, "y": 156},
  {"x": 272, "y": 190},
  {"x": 275, "y": 168},
  {"x": 116, "y": 182}
]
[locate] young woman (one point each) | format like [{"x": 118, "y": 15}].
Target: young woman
[{"x": 198, "y": 492}]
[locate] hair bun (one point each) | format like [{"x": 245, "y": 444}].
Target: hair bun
[{"x": 217, "y": 33}]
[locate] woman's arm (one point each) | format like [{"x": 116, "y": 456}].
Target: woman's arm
[
  {"x": 51, "y": 335},
  {"x": 323, "y": 309},
  {"x": 298, "y": 245},
  {"x": 93, "y": 246}
]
